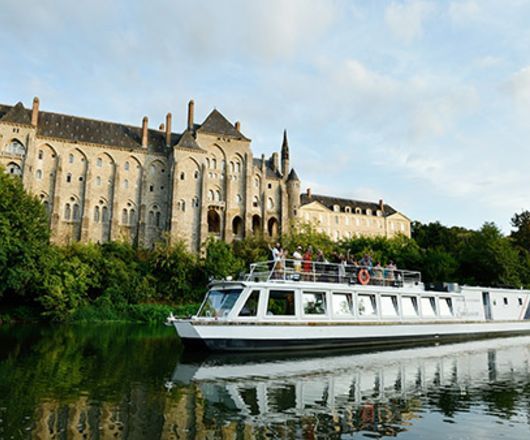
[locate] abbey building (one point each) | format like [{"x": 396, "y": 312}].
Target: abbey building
[{"x": 102, "y": 181}]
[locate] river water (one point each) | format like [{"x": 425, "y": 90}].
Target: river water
[{"x": 121, "y": 381}]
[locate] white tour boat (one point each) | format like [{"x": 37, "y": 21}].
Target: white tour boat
[{"x": 293, "y": 305}]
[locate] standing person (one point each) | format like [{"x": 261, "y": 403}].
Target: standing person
[
  {"x": 342, "y": 267},
  {"x": 297, "y": 257},
  {"x": 308, "y": 261}
]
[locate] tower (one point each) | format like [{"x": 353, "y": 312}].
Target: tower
[
  {"x": 293, "y": 194},
  {"x": 285, "y": 155}
]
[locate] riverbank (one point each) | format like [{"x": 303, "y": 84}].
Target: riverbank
[{"x": 148, "y": 313}]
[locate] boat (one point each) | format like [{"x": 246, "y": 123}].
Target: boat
[{"x": 292, "y": 305}]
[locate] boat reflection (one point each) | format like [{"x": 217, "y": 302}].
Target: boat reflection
[{"x": 382, "y": 392}]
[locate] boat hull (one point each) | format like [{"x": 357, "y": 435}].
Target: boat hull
[{"x": 278, "y": 337}]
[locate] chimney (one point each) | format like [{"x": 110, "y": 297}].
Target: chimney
[
  {"x": 144, "y": 131},
  {"x": 238, "y": 125},
  {"x": 162, "y": 127},
  {"x": 35, "y": 112},
  {"x": 168, "y": 129},
  {"x": 308, "y": 192},
  {"x": 191, "y": 111}
]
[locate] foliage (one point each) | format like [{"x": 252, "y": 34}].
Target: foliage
[
  {"x": 23, "y": 239},
  {"x": 220, "y": 260},
  {"x": 305, "y": 235},
  {"x": 252, "y": 249}
]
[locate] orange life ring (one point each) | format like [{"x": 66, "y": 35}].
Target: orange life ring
[{"x": 364, "y": 277}]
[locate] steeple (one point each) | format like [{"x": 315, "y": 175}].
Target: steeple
[{"x": 285, "y": 155}]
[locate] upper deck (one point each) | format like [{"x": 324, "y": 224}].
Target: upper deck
[{"x": 318, "y": 272}]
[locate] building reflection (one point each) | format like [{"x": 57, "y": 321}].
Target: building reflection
[{"x": 308, "y": 397}]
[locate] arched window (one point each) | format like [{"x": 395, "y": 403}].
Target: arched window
[
  {"x": 210, "y": 195},
  {"x": 256, "y": 182},
  {"x": 75, "y": 212},
  {"x": 151, "y": 218},
  {"x": 132, "y": 217},
  {"x": 237, "y": 226},
  {"x": 223, "y": 163},
  {"x": 39, "y": 174},
  {"x": 158, "y": 219},
  {"x": 239, "y": 199},
  {"x": 357, "y": 210},
  {"x": 67, "y": 212},
  {"x": 214, "y": 163},
  {"x": 208, "y": 164},
  {"x": 70, "y": 158},
  {"x": 238, "y": 167},
  {"x": 195, "y": 202},
  {"x": 68, "y": 177},
  {"x": 347, "y": 209},
  {"x": 14, "y": 169},
  {"x": 214, "y": 222},
  {"x": 99, "y": 162},
  {"x": 124, "y": 216},
  {"x": 368, "y": 212},
  {"x": 232, "y": 167},
  {"x": 218, "y": 195},
  {"x": 126, "y": 184},
  {"x": 41, "y": 154},
  {"x": 270, "y": 203},
  {"x": 96, "y": 214},
  {"x": 255, "y": 202},
  {"x": 98, "y": 180},
  {"x": 105, "y": 214},
  {"x": 181, "y": 205},
  {"x": 126, "y": 166},
  {"x": 182, "y": 176},
  {"x": 16, "y": 148},
  {"x": 196, "y": 174}
]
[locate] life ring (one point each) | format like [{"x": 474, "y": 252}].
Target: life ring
[{"x": 364, "y": 277}]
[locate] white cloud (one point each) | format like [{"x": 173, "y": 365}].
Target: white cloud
[
  {"x": 406, "y": 19},
  {"x": 519, "y": 87},
  {"x": 488, "y": 62}
]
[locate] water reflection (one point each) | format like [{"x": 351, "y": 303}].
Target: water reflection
[{"x": 134, "y": 382}]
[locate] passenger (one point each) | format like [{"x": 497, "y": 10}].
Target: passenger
[
  {"x": 276, "y": 253},
  {"x": 378, "y": 274},
  {"x": 297, "y": 257},
  {"x": 321, "y": 266},
  {"x": 390, "y": 273},
  {"x": 366, "y": 262},
  {"x": 308, "y": 262},
  {"x": 342, "y": 268}
]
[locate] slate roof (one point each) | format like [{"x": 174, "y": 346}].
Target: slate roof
[
  {"x": 270, "y": 173},
  {"x": 292, "y": 175},
  {"x": 188, "y": 141},
  {"x": 216, "y": 123},
  {"x": 17, "y": 114},
  {"x": 330, "y": 202}
]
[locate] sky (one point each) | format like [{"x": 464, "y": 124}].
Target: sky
[{"x": 424, "y": 104}]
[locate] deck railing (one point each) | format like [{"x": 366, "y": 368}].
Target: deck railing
[{"x": 317, "y": 272}]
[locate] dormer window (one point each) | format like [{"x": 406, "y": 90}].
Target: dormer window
[{"x": 336, "y": 208}]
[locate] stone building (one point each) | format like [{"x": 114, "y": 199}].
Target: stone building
[
  {"x": 102, "y": 181},
  {"x": 345, "y": 218},
  {"x": 105, "y": 181}
]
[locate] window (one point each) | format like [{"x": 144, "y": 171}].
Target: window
[
  {"x": 314, "y": 303},
  {"x": 357, "y": 210},
  {"x": 182, "y": 176},
  {"x": 151, "y": 188},
  {"x": 75, "y": 212},
  {"x": 409, "y": 305},
  {"x": 125, "y": 184},
  {"x": 14, "y": 169},
  {"x": 256, "y": 182},
  {"x": 281, "y": 302},
  {"x": 210, "y": 195},
  {"x": 214, "y": 163},
  {"x": 336, "y": 208},
  {"x": 16, "y": 148},
  {"x": 342, "y": 304},
  {"x": 196, "y": 174},
  {"x": 255, "y": 202},
  {"x": 520, "y": 301},
  {"x": 68, "y": 178},
  {"x": 151, "y": 218},
  {"x": 41, "y": 154},
  {"x": 70, "y": 158},
  {"x": 269, "y": 185},
  {"x": 239, "y": 199},
  {"x": 96, "y": 214},
  {"x": 505, "y": 299},
  {"x": 208, "y": 164},
  {"x": 428, "y": 307},
  {"x": 251, "y": 305},
  {"x": 238, "y": 167},
  {"x": 347, "y": 209},
  {"x": 124, "y": 216},
  {"x": 105, "y": 214},
  {"x": 218, "y": 303},
  {"x": 378, "y": 213},
  {"x": 366, "y": 305},
  {"x": 126, "y": 166},
  {"x": 132, "y": 217},
  {"x": 39, "y": 174},
  {"x": 368, "y": 212},
  {"x": 218, "y": 195},
  {"x": 270, "y": 203},
  {"x": 232, "y": 167},
  {"x": 389, "y": 306},
  {"x": 195, "y": 202},
  {"x": 157, "y": 219},
  {"x": 181, "y": 205},
  {"x": 99, "y": 162},
  {"x": 67, "y": 212},
  {"x": 446, "y": 307}
]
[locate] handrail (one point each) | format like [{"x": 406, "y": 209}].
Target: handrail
[{"x": 318, "y": 272}]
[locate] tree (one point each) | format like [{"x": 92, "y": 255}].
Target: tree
[
  {"x": 220, "y": 260},
  {"x": 521, "y": 235},
  {"x": 24, "y": 238}
]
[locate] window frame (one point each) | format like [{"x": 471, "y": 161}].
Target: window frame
[
  {"x": 353, "y": 308},
  {"x": 296, "y": 307},
  {"x": 313, "y": 315}
]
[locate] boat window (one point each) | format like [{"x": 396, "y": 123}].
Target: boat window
[
  {"x": 342, "y": 304},
  {"x": 409, "y": 306},
  {"x": 251, "y": 305},
  {"x": 505, "y": 301},
  {"x": 366, "y": 305},
  {"x": 389, "y": 305},
  {"x": 218, "y": 303},
  {"x": 314, "y": 303},
  {"x": 520, "y": 300},
  {"x": 428, "y": 307},
  {"x": 281, "y": 302},
  {"x": 446, "y": 307}
]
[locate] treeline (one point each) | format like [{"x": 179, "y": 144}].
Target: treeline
[{"x": 116, "y": 281}]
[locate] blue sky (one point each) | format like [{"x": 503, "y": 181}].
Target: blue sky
[{"x": 425, "y": 104}]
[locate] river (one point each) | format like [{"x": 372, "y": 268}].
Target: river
[{"x": 124, "y": 381}]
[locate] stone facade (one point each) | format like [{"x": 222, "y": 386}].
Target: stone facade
[
  {"x": 346, "y": 218},
  {"x": 102, "y": 181}
]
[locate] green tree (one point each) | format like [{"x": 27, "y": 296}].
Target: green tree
[
  {"x": 24, "y": 238},
  {"x": 521, "y": 235},
  {"x": 220, "y": 260}
]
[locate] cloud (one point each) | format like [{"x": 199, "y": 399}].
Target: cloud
[
  {"x": 406, "y": 19},
  {"x": 519, "y": 88}
]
